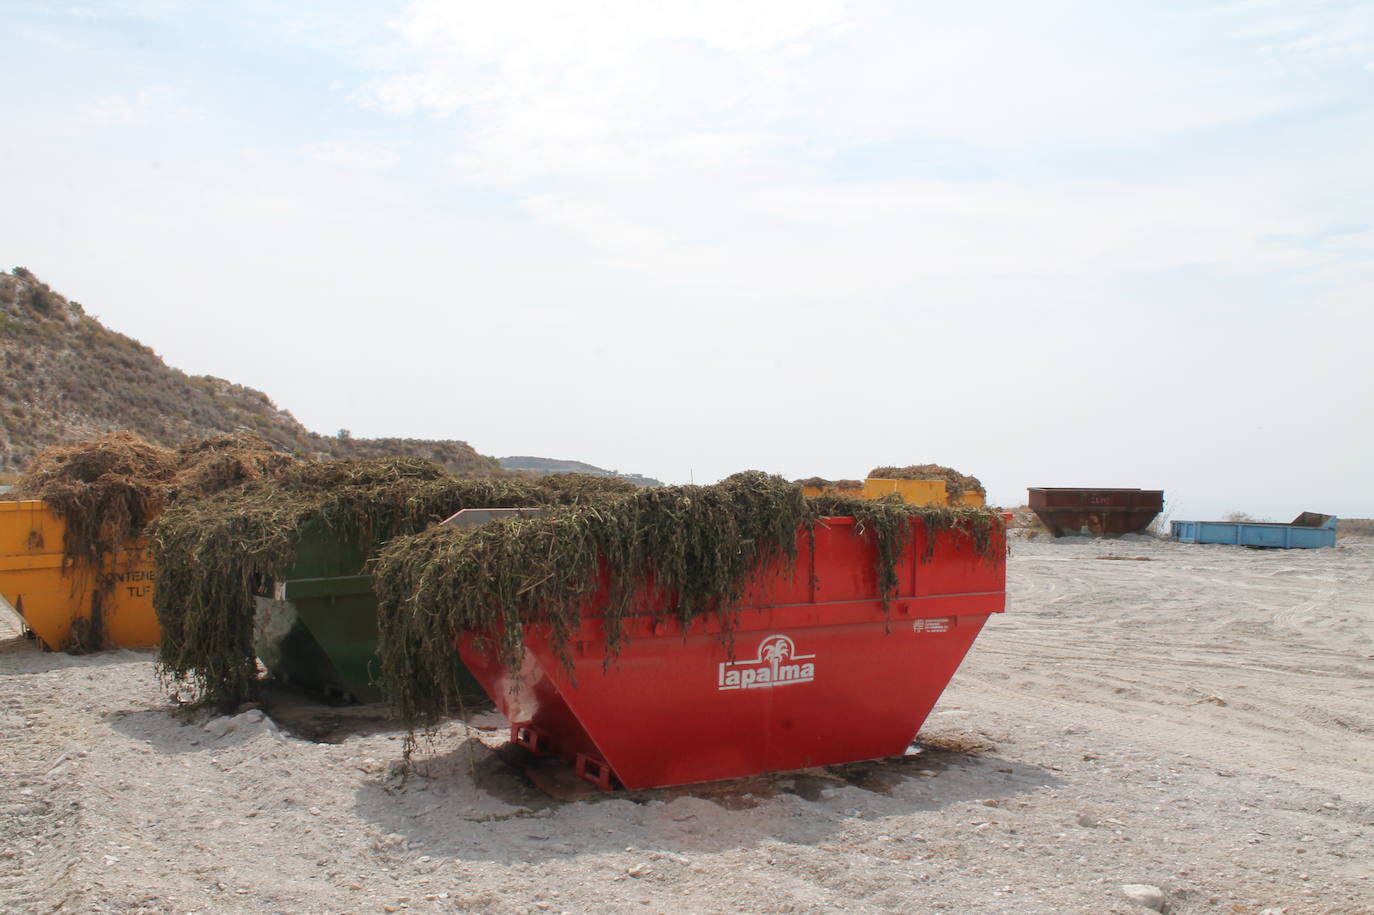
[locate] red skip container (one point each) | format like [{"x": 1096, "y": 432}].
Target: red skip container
[{"x": 818, "y": 674}]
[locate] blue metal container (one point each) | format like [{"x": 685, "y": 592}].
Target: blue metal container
[{"x": 1307, "y": 531}]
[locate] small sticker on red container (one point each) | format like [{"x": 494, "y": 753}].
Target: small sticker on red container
[{"x": 938, "y": 624}]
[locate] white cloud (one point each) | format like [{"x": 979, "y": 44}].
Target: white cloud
[
  {"x": 1307, "y": 35},
  {"x": 618, "y": 89},
  {"x": 627, "y": 90},
  {"x": 596, "y": 224},
  {"x": 949, "y": 228},
  {"x": 139, "y": 108},
  {"x": 125, "y": 9},
  {"x": 355, "y": 154},
  {"x": 527, "y": 31}
]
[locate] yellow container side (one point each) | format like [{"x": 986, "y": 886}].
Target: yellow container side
[
  {"x": 914, "y": 492},
  {"x": 28, "y": 528},
  {"x": 921, "y": 492},
  {"x": 51, "y": 599}
]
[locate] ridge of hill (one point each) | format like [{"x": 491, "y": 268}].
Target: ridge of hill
[
  {"x": 546, "y": 466},
  {"x": 65, "y": 376}
]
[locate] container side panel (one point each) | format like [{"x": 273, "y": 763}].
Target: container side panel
[
  {"x": 776, "y": 583},
  {"x": 955, "y": 567},
  {"x": 52, "y": 598},
  {"x": 844, "y": 568},
  {"x": 345, "y": 626}
]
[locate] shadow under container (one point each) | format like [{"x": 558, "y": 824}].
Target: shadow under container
[
  {"x": 54, "y": 598},
  {"x": 813, "y": 672},
  {"x": 1103, "y": 512}
]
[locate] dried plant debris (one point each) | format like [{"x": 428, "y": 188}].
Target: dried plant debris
[
  {"x": 687, "y": 550},
  {"x": 211, "y": 554},
  {"x": 956, "y": 483},
  {"x": 210, "y": 465},
  {"x": 581, "y": 487},
  {"x": 957, "y": 744},
  {"x": 108, "y": 489},
  {"x": 842, "y": 485},
  {"x": 104, "y": 490}
]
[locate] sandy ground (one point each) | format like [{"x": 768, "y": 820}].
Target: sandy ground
[{"x": 1202, "y": 722}]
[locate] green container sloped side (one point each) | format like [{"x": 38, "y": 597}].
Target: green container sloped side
[
  {"x": 289, "y": 652},
  {"x": 316, "y": 627},
  {"x": 321, "y": 634}
]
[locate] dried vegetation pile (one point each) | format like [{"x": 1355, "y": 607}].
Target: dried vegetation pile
[
  {"x": 212, "y": 554},
  {"x": 841, "y": 485},
  {"x": 956, "y": 483},
  {"x": 108, "y": 489},
  {"x": 683, "y": 550}
]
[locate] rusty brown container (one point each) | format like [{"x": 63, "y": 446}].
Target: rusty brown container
[{"x": 1095, "y": 512}]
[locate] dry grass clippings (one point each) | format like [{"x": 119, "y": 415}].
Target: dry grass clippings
[{"x": 956, "y": 483}]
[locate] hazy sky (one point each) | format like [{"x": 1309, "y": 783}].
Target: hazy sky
[{"x": 1093, "y": 243}]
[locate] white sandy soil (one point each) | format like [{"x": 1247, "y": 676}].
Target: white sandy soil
[{"x": 1202, "y": 722}]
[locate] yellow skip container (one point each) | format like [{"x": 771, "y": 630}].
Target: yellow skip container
[
  {"x": 913, "y": 492},
  {"x": 921, "y": 492},
  {"x": 54, "y": 602}
]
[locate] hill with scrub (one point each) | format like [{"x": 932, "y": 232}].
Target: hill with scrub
[
  {"x": 546, "y": 466},
  {"x": 64, "y": 376}
]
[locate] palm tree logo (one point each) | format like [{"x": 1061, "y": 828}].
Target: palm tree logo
[{"x": 774, "y": 651}]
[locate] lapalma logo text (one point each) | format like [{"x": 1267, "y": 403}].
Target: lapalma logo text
[{"x": 777, "y": 664}]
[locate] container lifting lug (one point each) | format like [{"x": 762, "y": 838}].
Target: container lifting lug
[
  {"x": 594, "y": 771},
  {"x": 525, "y": 736}
]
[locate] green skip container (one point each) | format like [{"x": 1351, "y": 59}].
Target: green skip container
[{"x": 316, "y": 626}]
